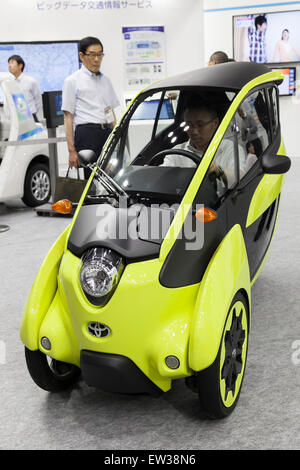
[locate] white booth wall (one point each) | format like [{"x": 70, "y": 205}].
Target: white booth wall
[
  {"x": 50, "y": 20},
  {"x": 218, "y": 35},
  {"x": 193, "y": 30},
  {"x": 54, "y": 20}
]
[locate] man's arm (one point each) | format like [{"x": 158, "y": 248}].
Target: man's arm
[
  {"x": 68, "y": 108},
  {"x": 69, "y": 130},
  {"x": 37, "y": 96},
  {"x": 113, "y": 101},
  {"x": 110, "y": 116},
  {"x": 252, "y": 125},
  {"x": 115, "y": 119}
]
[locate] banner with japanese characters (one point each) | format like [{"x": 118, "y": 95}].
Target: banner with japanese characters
[
  {"x": 144, "y": 55},
  {"x": 92, "y": 5}
]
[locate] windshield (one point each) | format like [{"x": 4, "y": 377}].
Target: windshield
[{"x": 159, "y": 144}]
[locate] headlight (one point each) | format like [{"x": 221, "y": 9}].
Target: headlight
[{"x": 100, "y": 273}]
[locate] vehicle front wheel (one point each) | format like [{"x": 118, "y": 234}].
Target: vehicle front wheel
[
  {"x": 37, "y": 187},
  {"x": 220, "y": 384},
  {"x": 49, "y": 374}
]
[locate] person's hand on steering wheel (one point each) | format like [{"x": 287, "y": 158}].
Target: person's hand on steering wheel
[{"x": 216, "y": 171}]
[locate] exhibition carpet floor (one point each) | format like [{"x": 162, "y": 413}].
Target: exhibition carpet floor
[{"x": 268, "y": 412}]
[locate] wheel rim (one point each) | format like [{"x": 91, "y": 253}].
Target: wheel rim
[
  {"x": 61, "y": 370},
  {"x": 40, "y": 185},
  {"x": 233, "y": 353}
]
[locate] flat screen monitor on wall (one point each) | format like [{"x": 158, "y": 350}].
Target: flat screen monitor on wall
[
  {"x": 267, "y": 37},
  {"x": 48, "y": 62},
  {"x": 288, "y": 86},
  {"x": 148, "y": 110}
]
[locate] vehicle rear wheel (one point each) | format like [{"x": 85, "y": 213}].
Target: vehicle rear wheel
[
  {"x": 37, "y": 187},
  {"x": 220, "y": 384},
  {"x": 49, "y": 374}
]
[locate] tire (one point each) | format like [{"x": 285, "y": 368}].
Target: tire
[
  {"x": 37, "y": 187},
  {"x": 219, "y": 385},
  {"x": 49, "y": 374}
]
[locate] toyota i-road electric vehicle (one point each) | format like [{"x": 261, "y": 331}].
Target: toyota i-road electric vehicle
[{"x": 151, "y": 282}]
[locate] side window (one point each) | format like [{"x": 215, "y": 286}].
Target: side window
[
  {"x": 143, "y": 125},
  {"x": 274, "y": 111},
  {"x": 245, "y": 140},
  {"x": 253, "y": 122},
  {"x": 168, "y": 110},
  {"x": 222, "y": 173},
  {"x": 225, "y": 159}
]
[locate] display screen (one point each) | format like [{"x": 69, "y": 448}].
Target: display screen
[
  {"x": 58, "y": 103},
  {"x": 148, "y": 110},
  {"x": 48, "y": 62},
  {"x": 288, "y": 86},
  {"x": 52, "y": 101},
  {"x": 267, "y": 37}
]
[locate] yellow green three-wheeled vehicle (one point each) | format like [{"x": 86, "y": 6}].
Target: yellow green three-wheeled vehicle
[{"x": 151, "y": 282}]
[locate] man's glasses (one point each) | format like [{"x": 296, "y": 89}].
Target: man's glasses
[
  {"x": 199, "y": 124},
  {"x": 93, "y": 55}
]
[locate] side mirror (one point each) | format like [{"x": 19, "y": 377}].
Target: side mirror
[
  {"x": 275, "y": 164},
  {"x": 86, "y": 157}
]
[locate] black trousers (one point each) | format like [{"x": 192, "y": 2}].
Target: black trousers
[{"x": 89, "y": 137}]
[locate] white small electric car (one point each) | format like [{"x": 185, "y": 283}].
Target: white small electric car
[{"x": 24, "y": 164}]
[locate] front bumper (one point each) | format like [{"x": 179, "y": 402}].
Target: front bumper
[{"x": 115, "y": 373}]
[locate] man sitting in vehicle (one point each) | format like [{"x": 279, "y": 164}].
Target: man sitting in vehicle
[{"x": 201, "y": 122}]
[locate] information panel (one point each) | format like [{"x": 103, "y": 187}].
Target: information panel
[{"x": 144, "y": 55}]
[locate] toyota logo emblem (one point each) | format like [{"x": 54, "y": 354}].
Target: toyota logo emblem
[{"x": 98, "y": 330}]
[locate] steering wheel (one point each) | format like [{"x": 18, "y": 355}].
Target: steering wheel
[
  {"x": 194, "y": 157},
  {"x": 183, "y": 153}
]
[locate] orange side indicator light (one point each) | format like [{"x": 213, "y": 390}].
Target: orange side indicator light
[
  {"x": 205, "y": 215},
  {"x": 64, "y": 206}
]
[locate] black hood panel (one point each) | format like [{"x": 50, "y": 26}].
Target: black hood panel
[{"x": 101, "y": 225}]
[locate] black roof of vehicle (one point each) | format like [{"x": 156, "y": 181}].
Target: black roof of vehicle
[{"x": 231, "y": 75}]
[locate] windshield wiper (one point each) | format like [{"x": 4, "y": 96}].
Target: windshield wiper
[
  {"x": 87, "y": 156},
  {"x": 108, "y": 182},
  {"x": 112, "y": 182}
]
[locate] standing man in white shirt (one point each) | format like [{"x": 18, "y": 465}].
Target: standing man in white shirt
[
  {"x": 28, "y": 84},
  {"x": 88, "y": 102}
]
